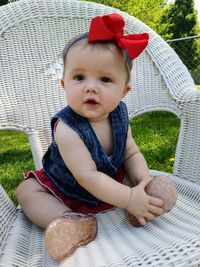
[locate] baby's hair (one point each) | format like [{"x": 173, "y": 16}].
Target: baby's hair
[
  {"x": 70, "y": 43},
  {"x": 106, "y": 44}
]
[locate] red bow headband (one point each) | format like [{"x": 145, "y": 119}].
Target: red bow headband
[{"x": 110, "y": 27}]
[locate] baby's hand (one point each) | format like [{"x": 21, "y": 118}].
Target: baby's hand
[{"x": 143, "y": 206}]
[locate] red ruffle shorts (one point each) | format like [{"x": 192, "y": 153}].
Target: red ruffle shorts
[{"x": 74, "y": 204}]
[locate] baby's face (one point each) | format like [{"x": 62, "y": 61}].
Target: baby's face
[{"x": 94, "y": 79}]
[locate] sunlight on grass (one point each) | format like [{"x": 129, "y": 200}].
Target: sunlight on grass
[{"x": 156, "y": 134}]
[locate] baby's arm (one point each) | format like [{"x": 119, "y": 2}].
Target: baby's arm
[
  {"x": 135, "y": 163},
  {"x": 144, "y": 207},
  {"x": 78, "y": 159}
]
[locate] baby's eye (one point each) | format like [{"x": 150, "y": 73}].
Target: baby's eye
[
  {"x": 106, "y": 79},
  {"x": 79, "y": 77}
]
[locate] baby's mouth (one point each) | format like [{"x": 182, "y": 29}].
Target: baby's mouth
[{"x": 91, "y": 101}]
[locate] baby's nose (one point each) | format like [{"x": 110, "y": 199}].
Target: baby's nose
[{"x": 91, "y": 88}]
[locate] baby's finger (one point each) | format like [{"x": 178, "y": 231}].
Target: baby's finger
[
  {"x": 156, "y": 210},
  {"x": 142, "y": 221},
  {"x": 145, "y": 182},
  {"x": 156, "y": 201},
  {"x": 149, "y": 216}
]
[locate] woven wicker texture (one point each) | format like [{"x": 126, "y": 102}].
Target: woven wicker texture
[{"x": 32, "y": 35}]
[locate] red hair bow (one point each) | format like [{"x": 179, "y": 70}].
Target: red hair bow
[{"x": 110, "y": 27}]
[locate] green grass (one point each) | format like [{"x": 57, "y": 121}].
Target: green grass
[
  {"x": 198, "y": 86},
  {"x": 155, "y": 133},
  {"x": 15, "y": 158}
]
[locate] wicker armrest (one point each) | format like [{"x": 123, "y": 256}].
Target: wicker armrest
[{"x": 187, "y": 160}]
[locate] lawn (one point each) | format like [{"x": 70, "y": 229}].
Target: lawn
[
  {"x": 15, "y": 158},
  {"x": 155, "y": 133}
]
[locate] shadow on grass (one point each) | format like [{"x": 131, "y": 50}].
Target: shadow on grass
[
  {"x": 15, "y": 155},
  {"x": 15, "y": 159}
]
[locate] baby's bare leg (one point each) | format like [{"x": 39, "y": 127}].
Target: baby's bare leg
[
  {"x": 65, "y": 231},
  {"x": 40, "y": 206}
]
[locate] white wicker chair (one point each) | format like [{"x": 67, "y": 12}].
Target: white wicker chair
[{"x": 32, "y": 34}]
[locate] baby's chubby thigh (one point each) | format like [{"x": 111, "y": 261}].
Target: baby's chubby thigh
[
  {"x": 27, "y": 188},
  {"x": 38, "y": 203}
]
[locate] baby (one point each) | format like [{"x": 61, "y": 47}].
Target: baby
[{"x": 92, "y": 149}]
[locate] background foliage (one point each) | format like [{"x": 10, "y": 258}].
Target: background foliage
[
  {"x": 148, "y": 11},
  {"x": 3, "y": 2},
  {"x": 182, "y": 22}
]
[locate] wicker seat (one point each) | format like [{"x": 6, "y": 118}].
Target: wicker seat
[{"x": 32, "y": 34}]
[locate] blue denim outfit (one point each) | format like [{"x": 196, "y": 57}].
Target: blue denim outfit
[{"x": 57, "y": 171}]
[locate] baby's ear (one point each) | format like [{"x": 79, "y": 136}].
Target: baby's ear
[
  {"x": 127, "y": 88},
  {"x": 62, "y": 83}
]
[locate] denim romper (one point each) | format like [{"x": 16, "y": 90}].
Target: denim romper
[{"x": 55, "y": 168}]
